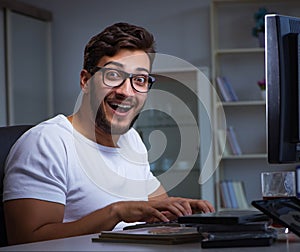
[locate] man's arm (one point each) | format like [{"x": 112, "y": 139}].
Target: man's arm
[
  {"x": 29, "y": 220},
  {"x": 159, "y": 194}
]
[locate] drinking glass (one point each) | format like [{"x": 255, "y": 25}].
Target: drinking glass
[{"x": 278, "y": 184}]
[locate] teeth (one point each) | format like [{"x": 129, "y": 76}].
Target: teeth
[{"x": 121, "y": 106}]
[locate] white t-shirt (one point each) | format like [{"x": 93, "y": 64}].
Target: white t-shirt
[{"x": 54, "y": 162}]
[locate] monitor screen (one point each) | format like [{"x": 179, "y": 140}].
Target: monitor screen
[{"x": 282, "y": 79}]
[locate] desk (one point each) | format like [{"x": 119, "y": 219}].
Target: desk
[{"x": 84, "y": 243}]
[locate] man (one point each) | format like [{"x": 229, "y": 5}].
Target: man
[{"x": 88, "y": 172}]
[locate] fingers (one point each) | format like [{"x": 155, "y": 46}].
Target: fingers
[
  {"x": 170, "y": 215},
  {"x": 184, "y": 206},
  {"x": 210, "y": 206},
  {"x": 202, "y": 205},
  {"x": 159, "y": 215},
  {"x": 162, "y": 210},
  {"x": 176, "y": 206},
  {"x": 181, "y": 207}
]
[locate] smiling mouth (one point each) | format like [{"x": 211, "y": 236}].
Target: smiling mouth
[{"x": 120, "y": 107}]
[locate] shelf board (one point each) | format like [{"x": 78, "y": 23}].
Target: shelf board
[
  {"x": 246, "y": 156},
  {"x": 239, "y": 50},
  {"x": 243, "y": 103}
]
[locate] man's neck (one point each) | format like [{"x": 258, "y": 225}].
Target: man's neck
[{"x": 88, "y": 129}]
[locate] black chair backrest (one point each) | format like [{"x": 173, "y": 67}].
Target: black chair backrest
[{"x": 8, "y": 136}]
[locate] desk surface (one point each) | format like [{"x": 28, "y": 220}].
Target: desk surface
[{"x": 84, "y": 243}]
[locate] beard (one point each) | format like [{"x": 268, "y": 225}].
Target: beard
[
  {"x": 101, "y": 120},
  {"x": 102, "y": 123}
]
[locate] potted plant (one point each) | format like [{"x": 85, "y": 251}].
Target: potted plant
[
  {"x": 262, "y": 86},
  {"x": 259, "y": 29}
]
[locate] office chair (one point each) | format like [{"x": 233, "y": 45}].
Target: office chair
[{"x": 8, "y": 136}]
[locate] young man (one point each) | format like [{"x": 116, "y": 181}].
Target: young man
[{"x": 89, "y": 172}]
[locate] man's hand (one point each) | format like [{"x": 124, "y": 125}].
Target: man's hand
[
  {"x": 187, "y": 206},
  {"x": 132, "y": 211},
  {"x": 159, "y": 210},
  {"x": 184, "y": 206},
  {"x": 201, "y": 206}
]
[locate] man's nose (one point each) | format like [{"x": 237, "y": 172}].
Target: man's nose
[{"x": 126, "y": 88}]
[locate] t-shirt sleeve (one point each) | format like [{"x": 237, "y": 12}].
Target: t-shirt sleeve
[{"x": 35, "y": 168}]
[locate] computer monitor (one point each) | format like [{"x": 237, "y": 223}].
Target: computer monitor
[{"x": 282, "y": 54}]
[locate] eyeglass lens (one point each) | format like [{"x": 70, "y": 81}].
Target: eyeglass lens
[{"x": 114, "y": 78}]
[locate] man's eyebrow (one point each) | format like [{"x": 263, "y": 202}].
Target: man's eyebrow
[
  {"x": 114, "y": 63},
  {"x": 118, "y": 64}
]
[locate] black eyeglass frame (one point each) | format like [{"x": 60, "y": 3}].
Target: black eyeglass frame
[{"x": 151, "y": 79}]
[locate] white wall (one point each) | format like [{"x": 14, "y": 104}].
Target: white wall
[
  {"x": 181, "y": 29},
  {"x": 28, "y": 68}
]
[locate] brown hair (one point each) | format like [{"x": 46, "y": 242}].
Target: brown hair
[{"x": 114, "y": 38}]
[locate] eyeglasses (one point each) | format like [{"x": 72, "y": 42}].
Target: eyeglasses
[{"x": 115, "y": 78}]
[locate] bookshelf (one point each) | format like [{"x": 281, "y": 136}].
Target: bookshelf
[
  {"x": 174, "y": 126},
  {"x": 237, "y": 56}
]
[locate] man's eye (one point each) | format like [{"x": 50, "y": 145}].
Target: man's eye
[
  {"x": 113, "y": 75},
  {"x": 140, "y": 80}
]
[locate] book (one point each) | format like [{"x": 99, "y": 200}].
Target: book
[
  {"x": 225, "y": 194},
  {"x": 224, "y": 147},
  {"x": 232, "y": 195},
  {"x": 226, "y": 90},
  {"x": 156, "y": 235},
  {"x": 230, "y": 89},
  {"x": 239, "y": 239},
  {"x": 244, "y": 227},
  {"x": 232, "y": 139},
  {"x": 240, "y": 194},
  {"x": 172, "y": 223},
  {"x": 224, "y": 217},
  {"x": 223, "y": 90}
]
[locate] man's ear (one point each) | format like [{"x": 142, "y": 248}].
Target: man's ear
[{"x": 84, "y": 80}]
